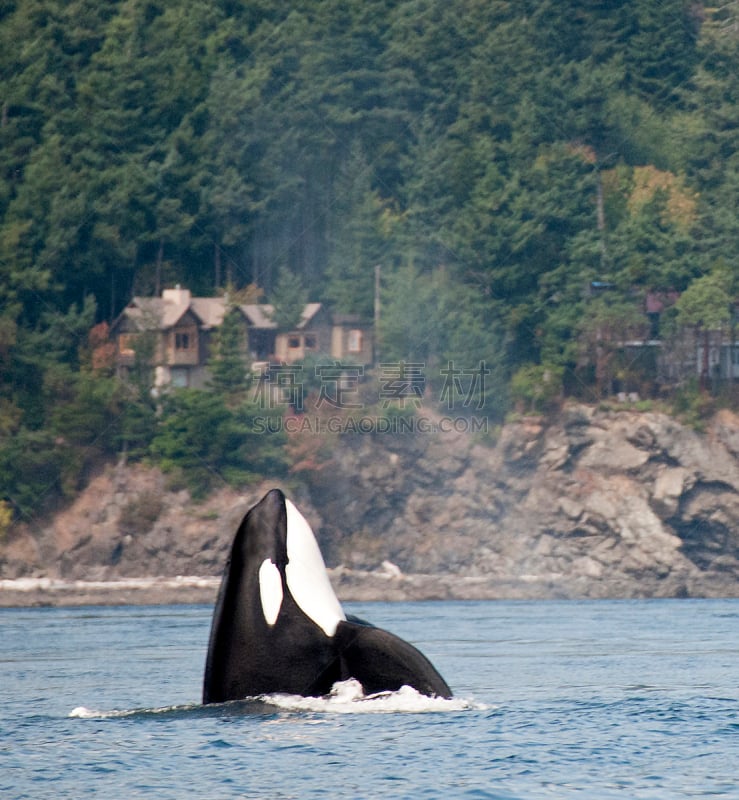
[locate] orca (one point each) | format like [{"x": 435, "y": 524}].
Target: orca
[{"x": 278, "y": 627}]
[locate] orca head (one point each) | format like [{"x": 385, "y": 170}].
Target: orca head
[
  {"x": 264, "y": 528},
  {"x": 285, "y": 551}
]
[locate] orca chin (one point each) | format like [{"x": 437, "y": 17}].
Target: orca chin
[{"x": 278, "y": 627}]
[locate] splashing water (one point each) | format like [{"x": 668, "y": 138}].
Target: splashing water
[{"x": 346, "y": 697}]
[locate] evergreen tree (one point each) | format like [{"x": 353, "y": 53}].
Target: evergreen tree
[
  {"x": 358, "y": 242},
  {"x": 228, "y": 364},
  {"x": 705, "y": 306},
  {"x": 288, "y": 300},
  {"x": 443, "y": 327},
  {"x": 204, "y": 444}
]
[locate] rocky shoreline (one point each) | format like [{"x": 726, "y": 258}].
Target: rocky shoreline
[
  {"x": 53, "y": 592},
  {"x": 351, "y": 586},
  {"x": 596, "y": 503}
]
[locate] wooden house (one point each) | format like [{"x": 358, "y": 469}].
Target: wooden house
[
  {"x": 172, "y": 331},
  {"x": 175, "y": 333}
]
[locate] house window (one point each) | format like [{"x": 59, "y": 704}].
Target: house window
[
  {"x": 310, "y": 342},
  {"x": 293, "y": 342},
  {"x": 354, "y": 341},
  {"x": 182, "y": 341}
]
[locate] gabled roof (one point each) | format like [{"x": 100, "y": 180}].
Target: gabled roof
[
  {"x": 153, "y": 313},
  {"x": 259, "y": 316},
  {"x": 163, "y": 313},
  {"x": 310, "y": 311},
  {"x": 209, "y": 310}
]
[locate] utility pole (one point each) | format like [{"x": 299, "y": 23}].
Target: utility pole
[{"x": 377, "y": 313}]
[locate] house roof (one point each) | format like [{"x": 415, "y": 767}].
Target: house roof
[
  {"x": 210, "y": 310},
  {"x": 310, "y": 311},
  {"x": 163, "y": 313},
  {"x": 153, "y": 313},
  {"x": 259, "y": 316}
]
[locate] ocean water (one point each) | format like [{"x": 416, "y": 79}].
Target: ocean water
[{"x": 597, "y": 700}]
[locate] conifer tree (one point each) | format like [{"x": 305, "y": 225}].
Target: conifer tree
[
  {"x": 229, "y": 366},
  {"x": 288, "y": 300}
]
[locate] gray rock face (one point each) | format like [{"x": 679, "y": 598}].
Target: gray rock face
[
  {"x": 592, "y": 504},
  {"x": 595, "y": 504}
]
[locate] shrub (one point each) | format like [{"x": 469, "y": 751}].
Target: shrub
[
  {"x": 6, "y": 518},
  {"x": 203, "y": 442},
  {"x": 140, "y": 513},
  {"x": 536, "y": 387}
]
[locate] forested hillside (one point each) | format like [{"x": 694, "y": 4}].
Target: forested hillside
[{"x": 496, "y": 159}]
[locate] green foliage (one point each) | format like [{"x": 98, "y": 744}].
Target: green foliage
[
  {"x": 608, "y": 321},
  {"x": 6, "y": 519},
  {"x": 692, "y": 405},
  {"x": 142, "y": 140},
  {"x": 536, "y": 387},
  {"x": 288, "y": 300},
  {"x": 33, "y": 471},
  {"x": 229, "y": 365},
  {"x": 137, "y": 424},
  {"x": 205, "y": 444},
  {"x": 359, "y": 239},
  {"x": 705, "y": 303},
  {"x": 430, "y": 320},
  {"x": 58, "y": 418},
  {"x": 84, "y": 410},
  {"x": 137, "y": 420}
]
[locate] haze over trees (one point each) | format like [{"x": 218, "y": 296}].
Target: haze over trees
[{"x": 494, "y": 158}]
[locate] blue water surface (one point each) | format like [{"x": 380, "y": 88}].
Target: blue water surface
[{"x": 630, "y": 699}]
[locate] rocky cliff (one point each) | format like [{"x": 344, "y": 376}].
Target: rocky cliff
[{"x": 595, "y": 503}]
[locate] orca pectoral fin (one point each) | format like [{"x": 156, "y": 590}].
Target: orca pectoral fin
[{"x": 381, "y": 661}]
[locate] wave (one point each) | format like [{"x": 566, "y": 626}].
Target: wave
[{"x": 346, "y": 697}]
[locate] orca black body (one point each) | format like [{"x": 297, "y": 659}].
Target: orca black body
[{"x": 279, "y": 627}]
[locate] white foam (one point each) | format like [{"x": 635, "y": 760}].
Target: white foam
[
  {"x": 82, "y": 712},
  {"x": 347, "y": 698},
  {"x": 306, "y": 574},
  {"x": 270, "y": 591}
]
